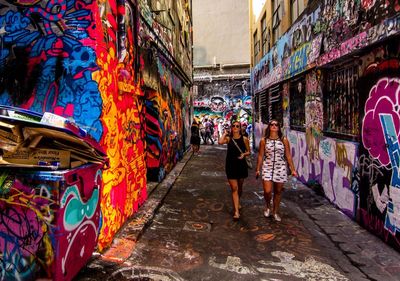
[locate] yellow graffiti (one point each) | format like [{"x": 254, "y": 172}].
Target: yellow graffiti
[
  {"x": 113, "y": 176},
  {"x": 312, "y": 140},
  {"x": 49, "y": 254},
  {"x": 342, "y": 159},
  {"x": 125, "y": 178}
]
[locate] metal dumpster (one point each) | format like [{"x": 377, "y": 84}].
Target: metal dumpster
[{"x": 49, "y": 196}]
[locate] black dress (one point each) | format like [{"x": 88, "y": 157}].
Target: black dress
[
  {"x": 195, "y": 135},
  {"x": 236, "y": 168}
]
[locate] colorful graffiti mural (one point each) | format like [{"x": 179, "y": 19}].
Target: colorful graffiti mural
[
  {"x": 333, "y": 168},
  {"x": 123, "y": 116},
  {"x": 82, "y": 60},
  {"x": 47, "y": 221},
  {"x": 378, "y": 165},
  {"x": 223, "y": 99},
  {"x": 164, "y": 128},
  {"x": 62, "y": 56},
  {"x": 349, "y": 143},
  {"x": 167, "y": 115},
  {"x": 332, "y": 29}
]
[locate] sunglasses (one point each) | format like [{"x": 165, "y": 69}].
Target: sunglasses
[
  {"x": 235, "y": 126},
  {"x": 274, "y": 124}
]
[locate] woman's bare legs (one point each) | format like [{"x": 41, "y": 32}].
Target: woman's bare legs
[
  {"x": 240, "y": 187},
  {"x": 240, "y": 190},
  {"x": 235, "y": 196},
  {"x": 267, "y": 186},
  {"x": 278, "y": 188}
]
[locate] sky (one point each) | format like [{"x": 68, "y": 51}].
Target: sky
[{"x": 257, "y": 7}]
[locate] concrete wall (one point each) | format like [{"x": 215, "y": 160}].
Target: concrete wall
[{"x": 220, "y": 30}]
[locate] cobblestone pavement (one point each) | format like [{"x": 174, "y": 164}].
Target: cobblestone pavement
[{"x": 185, "y": 231}]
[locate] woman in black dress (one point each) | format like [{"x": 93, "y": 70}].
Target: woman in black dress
[
  {"x": 195, "y": 137},
  {"x": 236, "y": 167}
]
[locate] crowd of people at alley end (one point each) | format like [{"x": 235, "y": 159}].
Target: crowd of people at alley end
[{"x": 274, "y": 161}]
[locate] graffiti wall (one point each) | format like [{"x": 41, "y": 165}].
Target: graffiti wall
[
  {"x": 326, "y": 31},
  {"x": 349, "y": 141},
  {"x": 222, "y": 99},
  {"x": 318, "y": 159},
  {"x": 167, "y": 117},
  {"x": 332, "y": 166},
  {"x": 378, "y": 176},
  {"x": 360, "y": 178},
  {"x": 77, "y": 59},
  {"x": 164, "y": 128},
  {"x": 40, "y": 231}
]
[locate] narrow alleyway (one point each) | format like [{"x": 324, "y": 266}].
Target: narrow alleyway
[{"x": 193, "y": 237}]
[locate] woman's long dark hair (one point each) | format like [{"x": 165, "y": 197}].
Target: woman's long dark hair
[{"x": 268, "y": 130}]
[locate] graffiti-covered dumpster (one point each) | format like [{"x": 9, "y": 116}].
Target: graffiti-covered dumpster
[{"x": 50, "y": 186}]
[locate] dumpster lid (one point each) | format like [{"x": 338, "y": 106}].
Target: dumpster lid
[{"x": 31, "y": 139}]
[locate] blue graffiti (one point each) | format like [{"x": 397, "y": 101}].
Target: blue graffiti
[
  {"x": 298, "y": 61},
  {"x": 13, "y": 265},
  {"x": 76, "y": 210},
  {"x": 393, "y": 149},
  {"x": 63, "y": 82}
]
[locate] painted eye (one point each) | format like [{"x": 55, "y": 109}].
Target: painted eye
[
  {"x": 56, "y": 9},
  {"x": 76, "y": 211}
]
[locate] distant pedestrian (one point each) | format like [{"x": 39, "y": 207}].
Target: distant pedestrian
[
  {"x": 244, "y": 130},
  {"x": 273, "y": 152},
  {"x": 202, "y": 132},
  {"x": 195, "y": 137},
  {"x": 220, "y": 128},
  {"x": 209, "y": 126},
  {"x": 235, "y": 166}
]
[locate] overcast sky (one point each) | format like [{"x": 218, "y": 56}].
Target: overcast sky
[{"x": 257, "y": 7}]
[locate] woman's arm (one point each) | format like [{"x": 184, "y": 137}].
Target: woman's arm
[
  {"x": 260, "y": 156},
  {"x": 247, "y": 152},
  {"x": 224, "y": 139},
  {"x": 247, "y": 144},
  {"x": 289, "y": 157}
]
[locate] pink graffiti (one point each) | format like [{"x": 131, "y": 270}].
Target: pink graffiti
[
  {"x": 384, "y": 97},
  {"x": 367, "y": 4}
]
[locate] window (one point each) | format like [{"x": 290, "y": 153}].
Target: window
[
  {"x": 263, "y": 102},
  {"x": 341, "y": 102},
  {"x": 276, "y": 20},
  {"x": 296, "y": 8},
  {"x": 270, "y": 104},
  {"x": 256, "y": 47},
  {"x": 297, "y": 93},
  {"x": 275, "y": 103},
  {"x": 264, "y": 38}
]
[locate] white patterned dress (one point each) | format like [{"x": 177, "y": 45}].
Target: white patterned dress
[{"x": 274, "y": 165}]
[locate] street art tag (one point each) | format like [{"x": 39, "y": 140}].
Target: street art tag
[{"x": 392, "y": 220}]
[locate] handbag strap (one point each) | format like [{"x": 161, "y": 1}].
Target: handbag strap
[{"x": 237, "y": 146}]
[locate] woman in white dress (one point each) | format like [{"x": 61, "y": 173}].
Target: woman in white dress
[{"x": 273, "y": 152}]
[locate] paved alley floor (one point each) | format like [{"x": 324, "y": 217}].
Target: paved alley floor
[{"x": 192, "y": 235}]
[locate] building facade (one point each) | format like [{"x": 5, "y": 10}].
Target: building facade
[
  {"x": 221, "y": 60},
  {"x": 120, "y": 69},
  {"x": 332, "y": 76}
]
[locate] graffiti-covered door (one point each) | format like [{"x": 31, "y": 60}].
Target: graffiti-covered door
[{"x": 379, "y": 178}]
